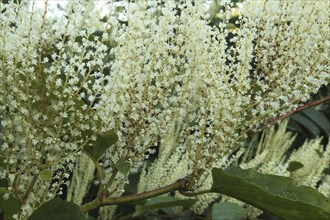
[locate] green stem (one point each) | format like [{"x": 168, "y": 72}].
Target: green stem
[
  {"x": 100, "y": 174},
  {"x": 99, "y": 202},
  {"x": 99, "y": 170},
  {"x": 29, "y": 189},
  {"x": 192, "y": 194},
  {"x": 114, "y": 173}
]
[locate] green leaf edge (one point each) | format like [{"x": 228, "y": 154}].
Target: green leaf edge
[
  {"x": 324, "y": 210},
  {"x": 12, "y": 207},
  {"x": 96, "y": 151},
  {"x": 318, "y": 118},
  {"x": 123, "y": 167},
  {"x": 140, "y": 210},
  {"x": 44, "y": 213}
]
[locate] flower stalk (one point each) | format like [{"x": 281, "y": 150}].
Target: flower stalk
[{"x": 99, "y": 202}]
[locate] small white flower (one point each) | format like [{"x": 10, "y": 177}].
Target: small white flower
[{"x": 5, "y": 196}]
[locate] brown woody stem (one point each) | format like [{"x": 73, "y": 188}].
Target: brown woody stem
[
  {"x": 303, "y": 107},
  {"x": 99, "y": 202}
]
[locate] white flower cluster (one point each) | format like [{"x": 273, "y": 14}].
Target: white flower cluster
[
  {"x": 51, "y": 74},
  {"x": 215, "y": 85},
  {"x": 83, "y": 175},
  {"x": 61, "y": 83}
]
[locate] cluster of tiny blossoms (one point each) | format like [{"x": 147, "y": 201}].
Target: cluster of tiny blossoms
[
  {"x": 164, "y": 69},
  {"x": 212, "y": 84},
  {"x": 51, "y": 74}
]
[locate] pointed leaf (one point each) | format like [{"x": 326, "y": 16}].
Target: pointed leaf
[
  {"x": 294, "y": 165},
  {"x": 307, "y": 124},
  {"x": 275, "y": 194},
  {"x": 123, "y": 167},
  {"x": 45, "y": 175},
  {"x": 102, "y": 143},
  {"x": 294, "y": 126},
  {"x": 8, "y": 203},
  {"x": 318, "y": 118},
  {"x": 57, "y": 209},
  {"x": 319, "y": 153}
]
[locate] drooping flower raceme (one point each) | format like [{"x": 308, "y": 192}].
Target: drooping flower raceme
[
  {"x": 64, "y": 79},
  {"x": 50, "y": 77},
  {"x": 174, "y": 72}
]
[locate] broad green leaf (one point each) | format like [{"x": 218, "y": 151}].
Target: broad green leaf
[
  {"x": 123, "y": 167},
  {"x": 275, "y": 194},
  {"x": 100, "y": 145},
  {"x": 8, "y": 203},
  {"x": 229, "y": 211},
  {"x": 133, "y": 181},
  {"x": 162, "y": 202},
  {"x": 294, "y": 165},
  {"x": 185, "y": 215},
  {"x": 45, "y": 175},
  {"x": 318, "y": 118},
  {"x": 56, "y": 209},
  {"x": 307, "y": 124},
  {"x": 294, "y": 126}
]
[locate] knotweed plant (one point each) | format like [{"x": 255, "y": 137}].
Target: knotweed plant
[
  {"x": 163, "y": 79},
  {"x": 269, "y": 156}
]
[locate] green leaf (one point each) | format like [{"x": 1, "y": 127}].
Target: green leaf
[
  {"x": 123, "y": 167},
  {"x": 229, "y": 211},
  {"x": 319, "y": 153},
  {"x": 162, "y": 202},
  {"x": 133, "y": 181},
  {"x": 318, "y": 118},
  {"x": 326, "y": 171},
  {"x": 294, "y": 165},
  {"x": 45, "y": 175},
  {"x": 3, "y": 183},
  {"x": 294, "y": 126},
  {"x": 307, "y": 124},
  {"x": 102, "y": 143},
  {"x": 275, "y": 194},
  {"x": 57, "y": 209},
  {"x": 10, "y": 205}
]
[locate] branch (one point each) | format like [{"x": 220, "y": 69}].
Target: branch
[
  {"x": 303, "y": 107},
  {"x": 29, "y": 189},
  {"x": 193, "y": 194},
  {"x": 99, "y": 202},
  {"x": 180, "y": 184}
]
